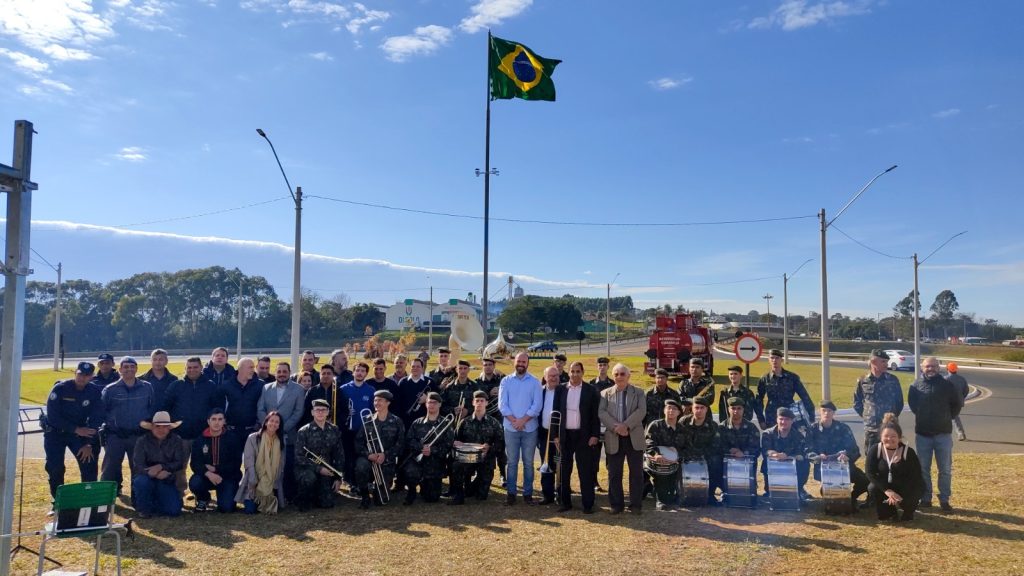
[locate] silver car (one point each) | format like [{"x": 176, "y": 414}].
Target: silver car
[{"x": 900, "y": 359}]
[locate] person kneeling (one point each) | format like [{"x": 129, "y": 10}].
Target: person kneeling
[
  {"x": 895, "y": 473},
  {"x": 429, "y": 442},
  {"x": 216, "y": 464},
  {"x": 158, "y": 456}
]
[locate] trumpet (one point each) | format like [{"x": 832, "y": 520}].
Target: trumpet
[
  {"x": 419, "y": 399},
  {"x": 374, "y": 445},
  {"x": 553, "y": 428},
  {"x": 320, "y": 461},
  {"x": 436, "y": 432}
]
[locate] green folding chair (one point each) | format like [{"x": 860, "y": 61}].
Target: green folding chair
[{"x": 84, "y": 510}]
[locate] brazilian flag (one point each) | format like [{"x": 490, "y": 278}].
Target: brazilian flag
[{"x": 518, "y": 72}]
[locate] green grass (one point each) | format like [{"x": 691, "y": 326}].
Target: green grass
[{"x": 36, "y": 384}]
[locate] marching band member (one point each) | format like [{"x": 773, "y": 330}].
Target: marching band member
[
  {"x": 391, "y": 433},
  {"x": 781, "y": 442},
  {"x": 779, "y": 385},
  {"x": 412, "y": 393},
  {"x": 327, "y": 390},
  {"x": 478, "y": 428},
  {"x": 656, "y": 396},
  {"x": 740, "y": 437},
  {"x": 703, "y": 441},
  {"x": 667, "y": 431},
  {"x": 832, "y": 439},
  {"x": 546, "y": 441},
  {"x": 698, "y": 385},
  {"x": 736, "y": 389},
  {"x": 443, "y": 371},
  {"x": 457, "y": 392},
  {"x": 357, "y": 396},
  {"x": 490, "y": 382},
  {"x": 428, "y": 471},
  {"x": 317, "y": 483}
]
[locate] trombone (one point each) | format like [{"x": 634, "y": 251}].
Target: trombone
[
  {"x": 553, "y": 429},
  {"x": 320, "y": 461},
  {"x": 435, "y": 433},
  {"x": 374, "y": 445},
  {"x": 460, "y": 407}
]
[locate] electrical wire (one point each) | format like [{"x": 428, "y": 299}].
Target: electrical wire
[
  {"x": 213, "y": 213},
  {"x": 866, "y": 247}
]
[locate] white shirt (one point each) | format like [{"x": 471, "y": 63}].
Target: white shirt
[
  {"x": 572, "y": 406},
  {"x": 549, "y": 405}
]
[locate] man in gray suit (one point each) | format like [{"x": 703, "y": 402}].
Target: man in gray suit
[
  {"x": 286, "y": 397},
  {"x": 622, "y": 412}
]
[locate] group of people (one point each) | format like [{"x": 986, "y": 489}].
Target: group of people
[{"x": 263, "y": 439}]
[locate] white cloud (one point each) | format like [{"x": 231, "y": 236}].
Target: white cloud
[
  {"x": 56, "y": 85},
  {"x": 668, "y": 83},
  {"x": 797, "y": 14},
  {"x": 366, "y": 16},
  {"x": 321, "y": 56},
  {"x": 947, "y": 113},
  {"x": 61, "y": 29},
  {"x": 25, "y": 62},
  {"x": 423, "y": 40},
  {"x": 488, "y": 13},
  {"x": 798, "y": 140},
  {"x": 132, "y": 154}
]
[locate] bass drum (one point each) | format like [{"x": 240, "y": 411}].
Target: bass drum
[
  {"x": 740, "y": 482},
  {"x": 783, "y": 493},
  {"x": 469, "y": 453},
  {"x": 693, "y": 483},
  {"x": 836, "y": 487}
]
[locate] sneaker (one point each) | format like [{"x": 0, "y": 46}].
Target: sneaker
[
  {"x": 961, "y": 436},
  {"x": 945, "y": 507},
  {"x": 201, "y": 505},
  {"x": 599, "y": 488}
]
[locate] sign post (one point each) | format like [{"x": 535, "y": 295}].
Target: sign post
[{"x": 748, "y": 350}]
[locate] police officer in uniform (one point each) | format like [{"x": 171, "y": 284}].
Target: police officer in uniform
[
  {"x": 780, "y": 385},
  {"x": 704, "y": 441},
  {"x": 106, "y": 374},
  {"x": 74, "y": 414},
  {"x": 479, "y": 428},
  {"x": 736, "y": 389},
  {"x": 317, "y": 484},
  {"x": 698, "y": 385},
  {"x": 784, "y": 441},
  {"x": 669, "y": 432},
  {"x": 429, "y": 470},
  {"x": 831, "y": 439},
  {"x": 877, "y": 392},
  {"x": 391, "y": 432}
]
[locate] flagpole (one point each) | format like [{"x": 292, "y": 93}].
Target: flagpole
[{"x": 487, "y": 184}]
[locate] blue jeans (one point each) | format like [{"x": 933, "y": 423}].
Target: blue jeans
[
  {"x": 516, "y": 444},
  {"x": 156, "y": 497},
  {"x": 942, "y": 446}
]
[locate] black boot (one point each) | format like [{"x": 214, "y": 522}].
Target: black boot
[{"x": 410, "y": 495}]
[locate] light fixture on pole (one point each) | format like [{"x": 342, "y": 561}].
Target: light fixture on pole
[
  {"x": 785, "y": 310},
  {"x": 608, "y": 317},
  {"x": 826, "y": 384},
  {"x": 297, "y": 267},
  {"x": 917, "y": 304},
  {"x": 768, "y": 302}
]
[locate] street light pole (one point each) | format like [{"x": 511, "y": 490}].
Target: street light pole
[
  {"x": 430, "y": 327},
  {"x": 878, "y": 323},
  {"x": 297, "y": 266},
  {"x": 56, "y": 322},
  {"x": 826, "y": 384},
  {"x": 785, "y": 310},
  {"x": 917, "y": 304},
  {"x": 608, "y": 317},
  {"x": 238, "y": 346},
  {"x": 768, "y": 302}
]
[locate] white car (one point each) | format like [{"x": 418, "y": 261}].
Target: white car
[{"x": 899, "y": 359}]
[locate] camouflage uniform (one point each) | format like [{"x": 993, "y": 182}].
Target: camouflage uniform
[
  {"x": 438, "y": 376},
  {"x": 832, "y": 440},
  {"x": 704, "y": 441},
  {"x": 429, "y": 470},
  {"x": 656, "y": 403},
  {"x": 780, "y": 391},
  {"x": 872, "y": 399},
  {"x": 392, "y": 438},
  {"x": 487, "y": 385},
  {"x": 702, "y": 388},
  {"x": 749, "y": 402},
  {"x": 485, "y": 430},
  {"x": 793, "y": 445},
  {"x": 746, "y": 437},
  {"x": 659, "y": 433},
  {"x": 451, "y": 394},
  {"x": 326, "y": 443}
]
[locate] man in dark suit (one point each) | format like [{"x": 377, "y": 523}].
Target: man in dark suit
[
  {"x": 578, "y": 402},
  {"x": 622, "y": 412},
  {"x": 549, "y": 396}
]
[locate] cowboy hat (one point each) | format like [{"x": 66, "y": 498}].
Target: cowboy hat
[{"x": 160, "y": 419}]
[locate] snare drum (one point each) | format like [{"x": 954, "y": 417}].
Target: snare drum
[
  {"x": 740, "y": 482},
  {"x": 469, "y": 453},
  {"x": 663, "y": 468},
  {"x": 693, "y": 485},
  {"x": 783, "y": 492},
  {"x": 836, "y": 487}
]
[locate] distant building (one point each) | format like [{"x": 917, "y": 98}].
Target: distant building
[{"x": 417, "y": 314}]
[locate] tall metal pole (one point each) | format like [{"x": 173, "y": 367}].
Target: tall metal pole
[
  {"x": 17, "y": 178},
  {"x": 608, "y": 317},
  {"x": 785, "y": 318},
  {"x": 917, "y": 329},
  {"x": 487, "y": 186},
  {"x": 296, "y": 280},
  {"x": 430, "y": 327},
  {"x": 238, "y": 347},
  {"x": 826, "y": 384},
  {"x": 878, "y": 323},
  {"x": 768, "y": 302},
  {"x": 56, "y": 322}
]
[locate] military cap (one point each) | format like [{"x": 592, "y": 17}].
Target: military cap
[
  {"x": 464, "y": 363},
  {"x": 827, "y": 404},
  {"x": 383, "y": 394},
  {"x": 434, "y": 396},
  {"x": 603, "y": 360},
  {"x": 661, "y": 372},
  {"x": 785, "y": 412},
  {"x": 85, "y": 368},
  {"x": 673, "y": 402},
  {"x": 703, "y": 401},
  {"x": 776, "y": 352},
  {"x": 486, "y": 360},
  {"x": 444, "y": 350},
  {"x": 734, "y": 401},
  {"x": 876, "y": 353},
  {"x": 479, "y": 394},
  {"x": 321, "y": 403},
  {"x": 561, "y": 357},
  {"x": 736, "y": 368},
  {"x": 686, "y": 401},
  {"x": 105, "y": 356}
]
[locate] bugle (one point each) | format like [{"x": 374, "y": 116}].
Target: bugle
[{"x": 374, "y": 445}]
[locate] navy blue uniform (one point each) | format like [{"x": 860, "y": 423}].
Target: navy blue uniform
[
  {"x": 101, "y": 381},
  {"x": 69, "y": 408},
  {"x": 159, "y": 385},
  {"x": 241, "y": 405}
]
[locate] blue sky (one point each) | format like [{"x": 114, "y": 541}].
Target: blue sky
[{"x": 667, "y": 112}]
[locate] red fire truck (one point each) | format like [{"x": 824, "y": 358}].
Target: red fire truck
[{"x": 674, "y": 341}]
